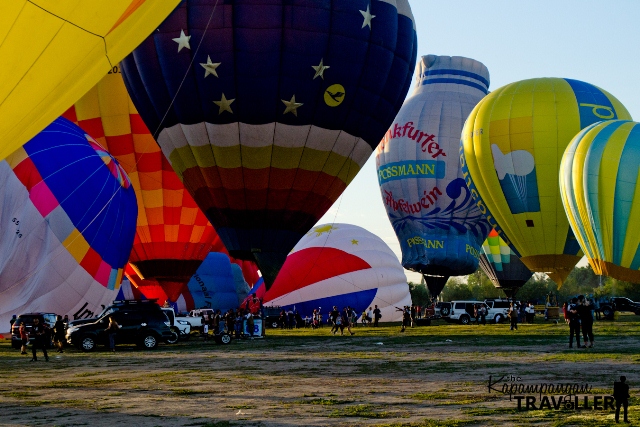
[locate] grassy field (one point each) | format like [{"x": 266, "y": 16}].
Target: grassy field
[{"x": 427, "y": 376}]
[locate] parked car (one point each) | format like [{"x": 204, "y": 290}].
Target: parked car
[
  {"x": 181, "y": 328},
  {"x": 608, "y": 308},
  {"x": 27, "y": 319},
  {"x": 497, "y": 309},
  {"x": 141, "y": 323},
  {"x": 142, "y": 305},
  {"x": 462, "y": 311},
  {"x": 272, "y": 316},
  {"x": 443, "y": 309}
]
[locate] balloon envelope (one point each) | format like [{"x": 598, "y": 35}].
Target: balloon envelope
[
  {"x": 599, "y": 186},
  {"x": 68, "y": 220},
  {"x": 53, "y": 51},
  {"x": 502, "y": 266},
  {"x": 511, "y": 150},
  {"x": 439, "y": 226},
  {"x": 275, "y": 112},
  {"x": 172, "y": 235},
  {"x": 341, "y": 265}
]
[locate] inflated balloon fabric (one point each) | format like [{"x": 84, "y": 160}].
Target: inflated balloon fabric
[
  {"x": 53, "y": 51},
  {"x": 172, "y": 236},
  {"x": 501, "y": 265},
  {"x": 68, "y": 221},
  {"x": 601, "y": 195},
  {"x": 511, "y": 150},
  {"x": 438, "y": 224},
  {"x": 267, "y": 110},
  {"x": 341, "y": 265}
]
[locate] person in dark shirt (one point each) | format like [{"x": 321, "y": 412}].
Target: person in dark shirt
[
  {"x": 586, "y": 321},
  {"x": 40, "y": 333},
  {"x": 333, "y": 318},
  {"x": 376, "y": 316},
  {"x": 574, "y": 322},
  {"x": 621, "y": 394},
  {"x": 58, "y": 334}
]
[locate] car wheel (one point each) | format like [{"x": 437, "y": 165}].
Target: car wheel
[
  {"x": 464, "y": 319},
  {"x": 224, "y": 339},
  {"x": 88, "y": 343},
  {"x": 274, "y": 325},
  {"x": 175, "y": 335},
  {"x": 444, "y": 311},
  {"x": 498, "y": 318},
  {"x": 607, "y": 312},
  {"x": 148, "y": 341}
]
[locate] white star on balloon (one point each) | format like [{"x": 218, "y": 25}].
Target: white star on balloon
[
  {"x": 183, "y": 41},
  {"x": 224, "y": 104},
  {"x": 292, "y": 106},
  {"x": 320, "y": 69},
  {"x": 367, "y": 17},
  {"x": 210, "y": 67}
]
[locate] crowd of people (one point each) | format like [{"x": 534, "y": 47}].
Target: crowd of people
[
  {"x": 42, "y": 335},
  {"x": 232, "y": 321},
  {"x": 521, "y": 313}
]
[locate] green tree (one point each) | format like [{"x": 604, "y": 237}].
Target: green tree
[{"x": 419, "y": 294}]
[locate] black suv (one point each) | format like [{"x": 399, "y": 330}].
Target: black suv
[
  {"x": 27, "y": 319},
  {"x": 271, "y": 316},
  {"x": 618, "y": 304},
  {"x": 140, "y": 305},
  {"x": 142, "y": 322}
]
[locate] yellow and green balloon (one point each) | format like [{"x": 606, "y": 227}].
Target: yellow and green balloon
[
  {"x": 511, "y": 148},
  {"x": 601, "y": 194}
]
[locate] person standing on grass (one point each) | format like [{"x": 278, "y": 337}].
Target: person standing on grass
[
  {"x": 413, "y": 314},
  {"x": 574, "y": 323},
  {"x": 513, "y": 316},
  {"x": 621, "y": 395},
  {"x": 406, "y": 317},
  {"x": 59, "y": 332},
  {"x": 586, "y": 321},
  {"x": 40, "y": 333},
  {"x": 476, "y": 314},
  {"x": 250, "y": 324},
  {"x": 370, "y": 316},
  {"x": 376, "y": 316},
  {"x": 345, "y": 321},
  {"x": 24, "y": 338},
  {"x": 483, "y": 314},
  {"x": 238, "y": 323},
  {"x": 334, "y": 319},
  {"x": 112, "y": 330}
]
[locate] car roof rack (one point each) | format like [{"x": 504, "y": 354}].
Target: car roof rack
[{"x": 136, "y": 301}]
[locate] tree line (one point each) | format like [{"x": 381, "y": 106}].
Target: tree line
[{"x": 581, "y": 281}]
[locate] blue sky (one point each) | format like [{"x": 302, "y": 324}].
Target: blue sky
[{"x": 597, "y": 42}]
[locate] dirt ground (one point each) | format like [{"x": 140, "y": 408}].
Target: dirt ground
[{"x": 428, "y": 376}]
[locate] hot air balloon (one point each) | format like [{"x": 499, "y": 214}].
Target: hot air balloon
[
  {"x": 341, "y": 265},
  {"x": 53, "y": 51},
  {"x": 502, "y": 266},
  {"x": 599, "y": 187},
  {"x": 68, "y": 220},
  {"x": 172, "y": 235},
  {"x": 439, "y": 226},
  {"x": 268, "y": 110},
  {"x": 511, "y": 148},
  {"x": 216, "y": 284}
]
